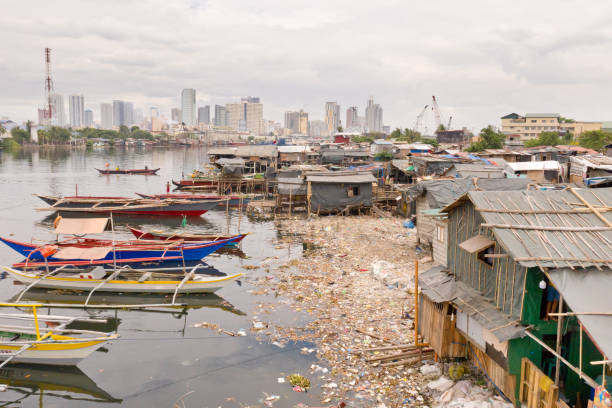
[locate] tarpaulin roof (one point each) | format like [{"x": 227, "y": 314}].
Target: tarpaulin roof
[
  {"x": 440, "y": 287},
  {"x": 588, "y": 291},
  {"x": 294, "y": 186},
  {"x": 547, "y": 228},
  {"x": 81, "y": 226},
  {"x": 230, "y": 162},
  {"x": 342, "y": 178},
  {"x": 533, "y": 165},
  {"x": 82, "y": 253},
  {"x": 443, "y": 192}
]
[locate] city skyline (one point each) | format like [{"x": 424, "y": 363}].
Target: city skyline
[{"x": 478, "y": 67}]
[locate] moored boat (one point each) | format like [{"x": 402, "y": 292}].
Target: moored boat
[
  {"x": 129, "y": 281},
  {"x": 183, "y": 236},
  {"x": 124, "y": 205},
  {"x": 234, "y": 200},
  {"x": 145, "y": 172},
  {"x": 201, "y": 182}
]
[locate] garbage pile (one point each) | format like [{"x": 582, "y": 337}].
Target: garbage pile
[{"x": 355, "y": 280}]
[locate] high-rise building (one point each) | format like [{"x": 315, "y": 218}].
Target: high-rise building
[
  {"x": 318, "y": 128},
  {"x": 220, "y": 115},
  {"x": 87, "y": 118},
  {"x": 204, "y": 114},
  {"x": 76, "y": 107},
  {"x": 106, "y": 116},
  {"x": 188, "y": 106},
  {"x": 118, "y": 113},
  {"x": 176, "y": 115},
  {"x": 374, "y": 116},
  {"x": 352, "y": 118},
  {"x": 128, "y": 114},
  {"x": 292, "y": 121},
  {"x": 332, "y": 116},
  {"x": 303, "y": 123},
  {"x": 154, "y": 112},
  {"x": 59, "y": 118},
  {"x": 245, "y": 116}
]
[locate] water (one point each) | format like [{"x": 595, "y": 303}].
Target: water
[{"x": 160, "y": 356}]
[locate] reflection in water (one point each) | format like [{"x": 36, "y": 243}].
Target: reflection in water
[
  {"x": 68, "y": 383},
  {"x": 187, "y": 301}
]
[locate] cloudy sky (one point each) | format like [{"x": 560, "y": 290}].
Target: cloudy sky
[{"x": 482, "y": 59}]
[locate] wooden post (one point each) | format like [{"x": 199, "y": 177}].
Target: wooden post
[
  {"x": 308, "y": 195},
  {"x": 227, "y": 214},
  {"x": 580, "y": 351},
  {"x": 593, "y": 209},
  {"x": 290, "y": 198},
  {"x": 558, "y": 349},
  {"x": 416, "y": 302}
]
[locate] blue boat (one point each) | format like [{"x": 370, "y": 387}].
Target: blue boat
[{"x": 88, "y": 249}]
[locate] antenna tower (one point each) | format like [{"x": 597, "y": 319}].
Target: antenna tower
[{"x": 50, "y": 111}]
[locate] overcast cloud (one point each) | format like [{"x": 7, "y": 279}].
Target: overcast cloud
[{"x": 482, "y": 59}]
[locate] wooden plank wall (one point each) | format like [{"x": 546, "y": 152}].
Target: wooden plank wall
[
  {"x": 497, "y": 374},
  {"x": 531, "y": 392},
  {"x": 439, "y": 330}
]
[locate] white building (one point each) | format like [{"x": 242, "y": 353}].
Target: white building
[
  {"x": 188, "y": 107},
  {"x": 76, "y": 108},
  {"x": 106, "y": 116},
  {"x": 374, "y": 117},
  {"x": 332, "y": 116},
  {"x": 59, "y": 117},
  {"x": 87, "y": 118},
  {"x": 204, "y": 114},
  {"x": 246, "y": 115}
]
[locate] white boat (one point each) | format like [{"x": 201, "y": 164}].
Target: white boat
[
  {"x": 26, "y": 344},
  {"x": 147, "y": 282}
]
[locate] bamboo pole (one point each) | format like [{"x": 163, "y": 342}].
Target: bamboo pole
[
  {"x": 591, "y": 207},
  {"x": 545, "y": 228},
  {"x": 552, "y": 211},
  {"x": 416, "y": 302},
  {"x": 558, "y": 348}
]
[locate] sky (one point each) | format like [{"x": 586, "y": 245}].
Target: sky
[{"x": 481, "y": 59}]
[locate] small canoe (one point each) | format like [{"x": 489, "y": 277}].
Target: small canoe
[
  {"x": 196, "y": 182},
  {"x": 146, "y": 283},
  {"x": 234, "y": 200},
  {"x": 169, "y": 236},
  {"x": 123, "y": 205},
  {"x": 145, "y": 172}
]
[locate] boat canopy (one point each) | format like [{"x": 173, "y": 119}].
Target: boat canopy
[
  {"x": 80, "y": 226},
  {"x": 82, "y": 253}
]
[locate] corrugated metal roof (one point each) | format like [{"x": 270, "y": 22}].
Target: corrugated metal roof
[
  {"x": 293, "y": 149},
  {"x": 548, "y": 228},
  {"x": 542, "y": 115},
  {"x": 533, "y": 165}
]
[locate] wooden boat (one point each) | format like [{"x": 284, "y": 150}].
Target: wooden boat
[
  {"x": 145, "y": 172},
  {"x": 169, "y": 236},
  {"x": 86, "y": 249},
  {"x": 123, "y": 205},
  {"x": 127, "y": 281},
  {"x": 24, "y": 344},
  {"x": 196, "y": 182},
  {"x": 234, "y": 200}
]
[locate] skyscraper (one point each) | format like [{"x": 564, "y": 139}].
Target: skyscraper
[
  {"x": 332, "y": 116},
  {"x": 106, "y": 116},
  {"x": 76, "y": 107},
  {"x": 87, "y": 118},
  {"x": 176, "y": 115},
  {"x": 245, "y": 115},
  {"x": 154, "y": 112},
  {"x": 292, "y": 121},
  {"x": 303, "y": 123},
  {"x": 374, "y": 120},
  {"x": 220, "y": 116},
  {"x": 352, "y": 118},
  {"x": 59, "y": 118},
  {"x": 118, "y": 113},
  {"x": 188, "y": 106},
  {"x": 204, "y": 114},
  {"x": 128, "y": 114}
]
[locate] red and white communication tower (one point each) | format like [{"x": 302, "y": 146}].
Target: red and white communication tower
[{"x": 50, "y": 109}]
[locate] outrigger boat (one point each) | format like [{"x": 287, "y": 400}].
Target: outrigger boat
[
  {"x": 85, "y": 249},
  {"x": 145, "y": 172},
  {"x": 57, "y": 346},
  {"x": 234, "y": 200},
  {"x": 200, "y": 182},
  {"x": 183, "y": 236},
  {"x": 124, "y": 205}
]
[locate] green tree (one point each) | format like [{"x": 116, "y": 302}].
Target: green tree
[
  {"x": 410, "y": 136},
  {"x": 29, "y": 124},
  {"x": 595, "y": 139},
  {"x": 124, "y": 131},
  {"x": 363, "y": 139},
  {"x": 565, "y": 120},
  {"x": 396, "y": 134},
  {"x": 134, "y": 129},
  {"x": 383, "y": 156},
  {"x": 2, "y": 130},
  {"x": 430, "y": 141},
  {"x": 339, "y": 129},
  {"x": 19, "y": 135},
  {"x": 489, "y": 138},
  {"x": 441, "y": 128},
  {"x": 545, "y": 139}
]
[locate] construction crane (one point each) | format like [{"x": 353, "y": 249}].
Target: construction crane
[
  {"x": 436, "y": 110},
  {"x": 419, "y": 119},
  {"x": 50, "y": 109},
  {"x": 450, "y": 120}
]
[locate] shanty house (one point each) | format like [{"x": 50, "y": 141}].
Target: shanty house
[
  {"x": 453, "y": 137},
  {"x": 480, "y": 170},
  {"x": 257, "y": 158},
  {"x": 380, "y": 146},
  {"x": 431, "y": 165},
  {"x": 338, "y": 191},
  {"x": 527, "y": 288},
  {"x": 538, "y": 171},
  {"x": 586, "y": 167},
  {"x": 288, "y": 155},
  {"x": 401, "y": 171}
]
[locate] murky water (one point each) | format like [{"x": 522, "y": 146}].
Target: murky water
[{"x": 160, "y": 356}]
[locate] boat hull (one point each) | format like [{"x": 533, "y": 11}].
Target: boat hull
[
  {"x": 234, "y": 200},
  {"x": 191, "y": 237},
  {"x": 190, "y": 252},
  {"x": 66, "y": 354},
  {"x": 144, "y": 172},
  {"x": 86, "y": 204},
  {"x": 198, "y": 285}
]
